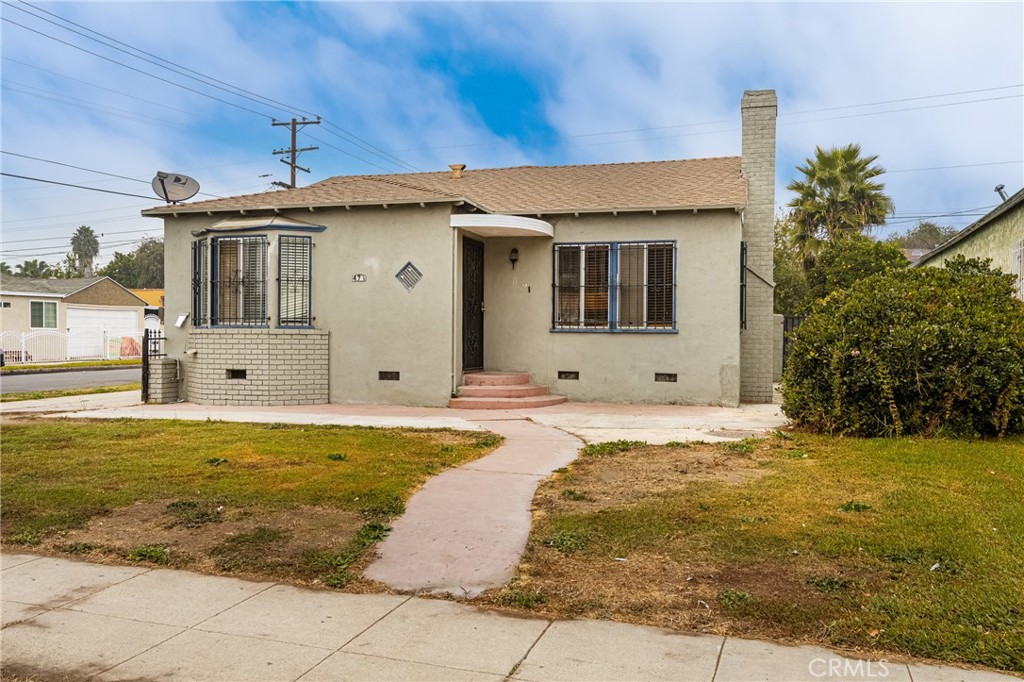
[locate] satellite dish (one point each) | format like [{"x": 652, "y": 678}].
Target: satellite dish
[{"x": 174, "y": 187}]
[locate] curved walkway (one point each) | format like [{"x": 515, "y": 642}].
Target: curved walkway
[{"x": 466, "y": 529}]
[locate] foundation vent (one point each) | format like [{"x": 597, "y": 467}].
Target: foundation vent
[
  {"x": 569, "y": 376},
  {"x": 665, "y": 376},
  {"x": 389, "y": 376},
  {"x": 236, "y": 374}
]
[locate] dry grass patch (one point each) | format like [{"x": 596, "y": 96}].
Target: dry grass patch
[
  {"x": 268, "y": 501},
  {"x": 905, "y": 546}
]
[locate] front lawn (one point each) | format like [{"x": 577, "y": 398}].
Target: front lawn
[
  {"x": 906, "y": 546},
  {"x": 298, "y": 503}
]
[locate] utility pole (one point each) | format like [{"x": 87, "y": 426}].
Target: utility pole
[{"x": 294, "y": 151}]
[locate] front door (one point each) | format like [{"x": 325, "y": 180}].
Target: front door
[{"x": 472, "y": 305}]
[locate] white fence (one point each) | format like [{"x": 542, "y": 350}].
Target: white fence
[{"x": 56, "y": 346}]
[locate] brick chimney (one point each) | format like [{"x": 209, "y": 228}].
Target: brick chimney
[{"x": 759, "y": 110}]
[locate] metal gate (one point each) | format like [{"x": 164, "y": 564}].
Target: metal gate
[
  {"x": 472, "y": 305},
  {"x": 152, "y": 347},
  {"x": 789, "y": 323}
]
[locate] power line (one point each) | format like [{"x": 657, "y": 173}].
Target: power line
[
  {"x": 905, "y": 99},
  {"x": 132, "y": 68},
  {"x": 68, "y": 184},
  {"x": 963, "y": 165},
  {"x": 161, "y": 62},
  {"x": 54, "y": 239},
  {"x": 209, "y": 81},
  {"x": 82, "y": 104}
]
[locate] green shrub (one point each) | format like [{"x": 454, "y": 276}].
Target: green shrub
[{"x": 922, "y": 351}]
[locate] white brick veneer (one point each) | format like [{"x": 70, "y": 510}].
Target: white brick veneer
[{"x": 282, "y": 366}]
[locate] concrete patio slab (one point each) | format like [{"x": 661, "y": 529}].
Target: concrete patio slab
[
  {"x": 12, "y": 612},
  {"x": 756, "y": 661},
  {"x": 159, "y": 594},
  {"x": 594, "y": 650},
  {"x": 54, "y": 582},
  {"x": 288, "y": 614},
  {"x": 450, "y": 635},
  {"x": 12, "y": 560},
  {"x": 942, "y": 673},
  {"x": 212, "y": 657},
  {"x": 343, "y": 666},
  {"x": 62, "y": 644},
  {"x": 77, "y": 403}
]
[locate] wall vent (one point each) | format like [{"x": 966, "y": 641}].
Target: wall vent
[
  {"x": 665, "y": 376},
  {"x": 236, "y": 374},
  {"x": 388, "y": 376},
  {"x": 569, "y": 376},
  {"x": 409, "y": 276}
]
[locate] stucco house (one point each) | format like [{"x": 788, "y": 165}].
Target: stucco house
[
  {"x": 998, "y": 235},
  {"x": 80, "y": 310},
  {"x": 627, "y": 282}
]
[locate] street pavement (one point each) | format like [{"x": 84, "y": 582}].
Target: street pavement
[
  {"x": 49, "y": 381},
  {"x": 67, "y": 620}
]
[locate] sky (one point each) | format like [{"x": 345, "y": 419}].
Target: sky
[{"x": 934, "y": 89}]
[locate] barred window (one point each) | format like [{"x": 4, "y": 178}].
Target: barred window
[
  {"x": 200, "y": 282},
  {"x": 293, "y": 282},
  {"x": 240, "y": 281},
  {"x": 615, "y": 286}
]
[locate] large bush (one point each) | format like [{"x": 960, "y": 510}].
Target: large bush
[{"x": 919, "y": 351}]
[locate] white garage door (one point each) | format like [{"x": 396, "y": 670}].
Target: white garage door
[{"x": 86, "y": 327}]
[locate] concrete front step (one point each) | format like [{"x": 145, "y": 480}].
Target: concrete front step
[
  {"x": 508, "y": 391},
  {"x": 468, "y": 403},
  {"x": 495, "y": 378}
]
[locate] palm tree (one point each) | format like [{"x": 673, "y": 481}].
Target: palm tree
[
  {"x": 33, "y": 268},
  {"x": 85, "y": 246},
  {"x": 839, "y": 197}
]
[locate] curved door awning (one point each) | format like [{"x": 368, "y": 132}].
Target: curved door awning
[{"x": 492, "y": 225}]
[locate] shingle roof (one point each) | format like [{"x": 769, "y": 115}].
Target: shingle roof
[
  {"x": 57, "y": 287},
  {"x": 522, "y": 190}
]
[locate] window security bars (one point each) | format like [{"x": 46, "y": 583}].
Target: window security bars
[
  {"x": 200, "y": 282},
  {"x": 615, "y": 286},
  {"x": 743, "y": 285},
  {"x": 240, "y": 281},
  {"x": 294, "y": 268}
]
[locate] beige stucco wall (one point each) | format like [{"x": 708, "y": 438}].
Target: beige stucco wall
[
  {"x": 620, "y": 367},
  {"x": 18, "y": 318},
  {"x": 995, "y": 241},
  {"x": 375, "y": 325}
]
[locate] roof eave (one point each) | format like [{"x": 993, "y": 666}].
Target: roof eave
[
  {"x": 161, "y": 211},
  {"x": 976, "y": 226}
]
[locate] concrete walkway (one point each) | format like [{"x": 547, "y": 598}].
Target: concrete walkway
[
  {"x": 466, "y": 529},
  {"x": 68, "y": 620}
]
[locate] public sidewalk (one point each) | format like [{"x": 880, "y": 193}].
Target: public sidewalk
[{"x": 70, "y": 620}]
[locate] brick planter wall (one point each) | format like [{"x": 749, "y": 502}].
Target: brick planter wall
[
  {"x": 280, "y": 367},
  {"x": 163, "y": 380}
]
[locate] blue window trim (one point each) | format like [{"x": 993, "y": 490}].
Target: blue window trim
[{"x": 613, "y": 294}]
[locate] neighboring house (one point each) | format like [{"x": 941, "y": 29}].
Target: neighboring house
[
  {"x": 154, "y": 299},
  {"x": 998, "y": 235},
  {"x": 615, "y": 282},
  {"x": 84, "y": 308},
  {"x": 914, "y": 255}
]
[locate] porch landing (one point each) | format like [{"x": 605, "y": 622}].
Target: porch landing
[{"x": 502, "y": 391}]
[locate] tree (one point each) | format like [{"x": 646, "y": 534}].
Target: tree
[
  {"x": 37, "y": 269},
  {"x": 838, "y": 197},
  {"x": 85, "y": 246},
  {"x": 5, "y": 269},
  {"x": 143, "y": 268},
  {"x": 847, "y": 262},
  {"x": 925, "y": 235},
  {"x": 66, "y": 269},
  {"x": 792, "y": 293}
]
